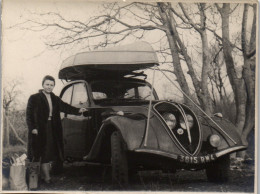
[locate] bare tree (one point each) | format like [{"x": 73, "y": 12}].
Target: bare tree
[
  {"x": 10, "y": 94},
  {"x": 202, "y": 86},
  {"x": 237, "y": 82},
  {"x": 249, "y": 50},
  {"x": 243, "y": 86}
]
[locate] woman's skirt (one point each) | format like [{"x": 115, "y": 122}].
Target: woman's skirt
[{"x": 50, "y": 151}]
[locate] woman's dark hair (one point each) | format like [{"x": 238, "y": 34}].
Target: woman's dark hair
[{"x": 48, "y": 77}]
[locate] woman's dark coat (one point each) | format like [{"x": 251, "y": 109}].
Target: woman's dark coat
[{"x": 37, "y": 114}]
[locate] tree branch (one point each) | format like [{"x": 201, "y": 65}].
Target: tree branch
[
  {"x": 243, "y": 32},
  {"x": 220, "y": 38},
  {"x": 189, "y": 19}
]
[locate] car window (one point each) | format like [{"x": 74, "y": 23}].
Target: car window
[
  {"x": 121, "y": 90},
  {"x": 145, "y": 93},
  {"x": 66, "y": 97},
  {"x": 79, "y": 97},
  {"x": 99, "y": 95},
  {"x": 130, "y": 93}
]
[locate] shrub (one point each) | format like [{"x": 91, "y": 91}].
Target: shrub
[{"x": 17, "y": 120}]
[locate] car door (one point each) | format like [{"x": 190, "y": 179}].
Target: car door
[{"x": 76, "y": 127}]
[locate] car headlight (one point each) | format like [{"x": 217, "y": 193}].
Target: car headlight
[
  {"x": 189, "y": 119},
  {"x": 214, "y": 140},
  {"x": 170, "y": 120}
]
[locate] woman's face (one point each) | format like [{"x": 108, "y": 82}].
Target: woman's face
[{"x": 48, "y": 86}]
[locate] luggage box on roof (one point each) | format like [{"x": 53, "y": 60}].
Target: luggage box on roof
[{"x": 119, "y": 60}]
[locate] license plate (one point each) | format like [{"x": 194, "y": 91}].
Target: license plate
[{"x": 197, "y": 159}]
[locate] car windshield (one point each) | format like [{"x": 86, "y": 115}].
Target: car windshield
[{"x": 121, "y": 90}]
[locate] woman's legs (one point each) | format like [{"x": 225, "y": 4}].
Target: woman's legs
[
  {"x": 48, "y": 154},
  {"x": 45, "y": 167}
]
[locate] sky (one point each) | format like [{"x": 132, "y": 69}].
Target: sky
[{"x": 25, "y": 56}]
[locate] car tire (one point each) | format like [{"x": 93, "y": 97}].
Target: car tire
[
  {"x": 118, "y": 160},
  {"x": 219, "y": 170}
]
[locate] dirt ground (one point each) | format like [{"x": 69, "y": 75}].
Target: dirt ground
[{"x": 78, "y": 177}]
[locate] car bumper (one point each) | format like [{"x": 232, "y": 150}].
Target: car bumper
[{"x": 192, "y": 159}]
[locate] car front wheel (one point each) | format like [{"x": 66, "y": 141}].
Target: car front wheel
[
  {"x": 118, "y": 160},
  {"x": 219, "y": 170}
]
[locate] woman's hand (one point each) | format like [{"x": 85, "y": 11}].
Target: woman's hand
[
  {"x": 35, "y": 131},
  {"x": 81, "y": 110}
]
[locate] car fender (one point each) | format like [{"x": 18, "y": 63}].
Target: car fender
[
  {"x": 133, "y": 128},
  {"x": 132, "y": 131},
  {"x": 227, "y": 130}
]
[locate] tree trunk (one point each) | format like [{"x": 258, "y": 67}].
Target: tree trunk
[
  {"x": 207, "y": 102},
  {"x": 177, "y": 67},
  {"x": 250, "y": 104},
  {"x": 202, "y": 90},
  {"x": 244, "y": 87},
  {"x": 248, "y": 74},
  {"x": 174, "y": 51},
  {"x": 7, "y": 132},
  {"x": 183, "y": 49},
  {"x": 237, "y": 83}
]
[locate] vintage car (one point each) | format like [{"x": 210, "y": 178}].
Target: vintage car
[{"x": 128, "y": 127}]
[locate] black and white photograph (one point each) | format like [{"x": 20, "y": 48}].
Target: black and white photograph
[{"x": 136, "y": 96}]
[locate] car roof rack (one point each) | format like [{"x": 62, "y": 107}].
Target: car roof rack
[{"x": 136, "y": 74}]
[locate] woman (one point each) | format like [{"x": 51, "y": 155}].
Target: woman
[{"x": 45, "y": 140}]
